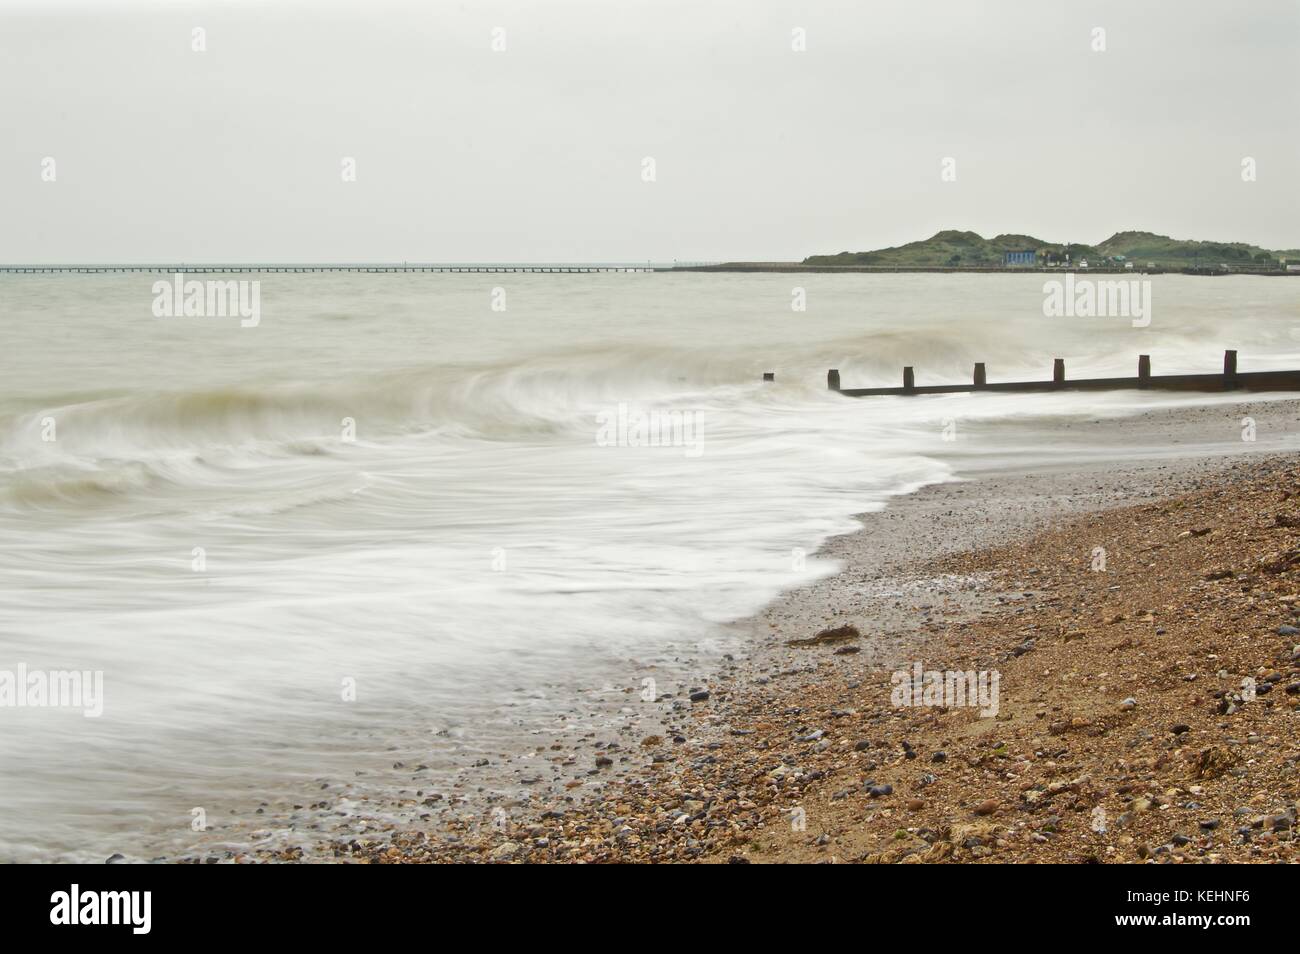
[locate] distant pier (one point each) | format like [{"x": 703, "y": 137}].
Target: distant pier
[
  {"x": 199, "y": 268},
  {"x": 587, "y": 268}
]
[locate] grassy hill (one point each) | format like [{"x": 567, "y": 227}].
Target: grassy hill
[{"x": 968, "y": 249}]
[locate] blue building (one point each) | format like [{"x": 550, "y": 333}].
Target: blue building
[{"x": 1020, "y": 258}]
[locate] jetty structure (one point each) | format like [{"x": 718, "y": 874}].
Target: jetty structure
[{"x": 201, "y": 268}]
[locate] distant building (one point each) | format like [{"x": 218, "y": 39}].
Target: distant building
[{"x": 1020, "y": 258}]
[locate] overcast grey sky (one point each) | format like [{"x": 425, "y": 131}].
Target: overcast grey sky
[{"x": 535, "y": 153}]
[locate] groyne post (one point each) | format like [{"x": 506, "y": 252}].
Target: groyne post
[
  {"x": 980, "y": 378},
  {"x": 1144, "y": 370},
  {"x": 909, "y": 379},
  {"x": 1058, "y": 371},
  {"x": 833, "y": 380},
  {"x": 1229, "y": 369}
]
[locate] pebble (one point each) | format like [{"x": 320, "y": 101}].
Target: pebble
[
  {"x": 505, "y": 851},
  {"x": 1281, "y": 821}
]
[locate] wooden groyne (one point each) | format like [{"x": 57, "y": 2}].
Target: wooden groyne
[{"x": 1230, "y": 379}]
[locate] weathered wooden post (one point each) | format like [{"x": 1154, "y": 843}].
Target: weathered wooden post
[
  {"x": 1229, "y": 369},
  {"x": 909, "y": 379},
  {"x": 980, "y": 378},
  {"x": 1144, "y": 370},
  {"x": 769, "y": 375},
  {"x": 1058, "y": 371},
  {"x": 833, "y": 380}
]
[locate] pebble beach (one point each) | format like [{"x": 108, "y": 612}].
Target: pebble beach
[{"x": 1143, "y": 619}]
